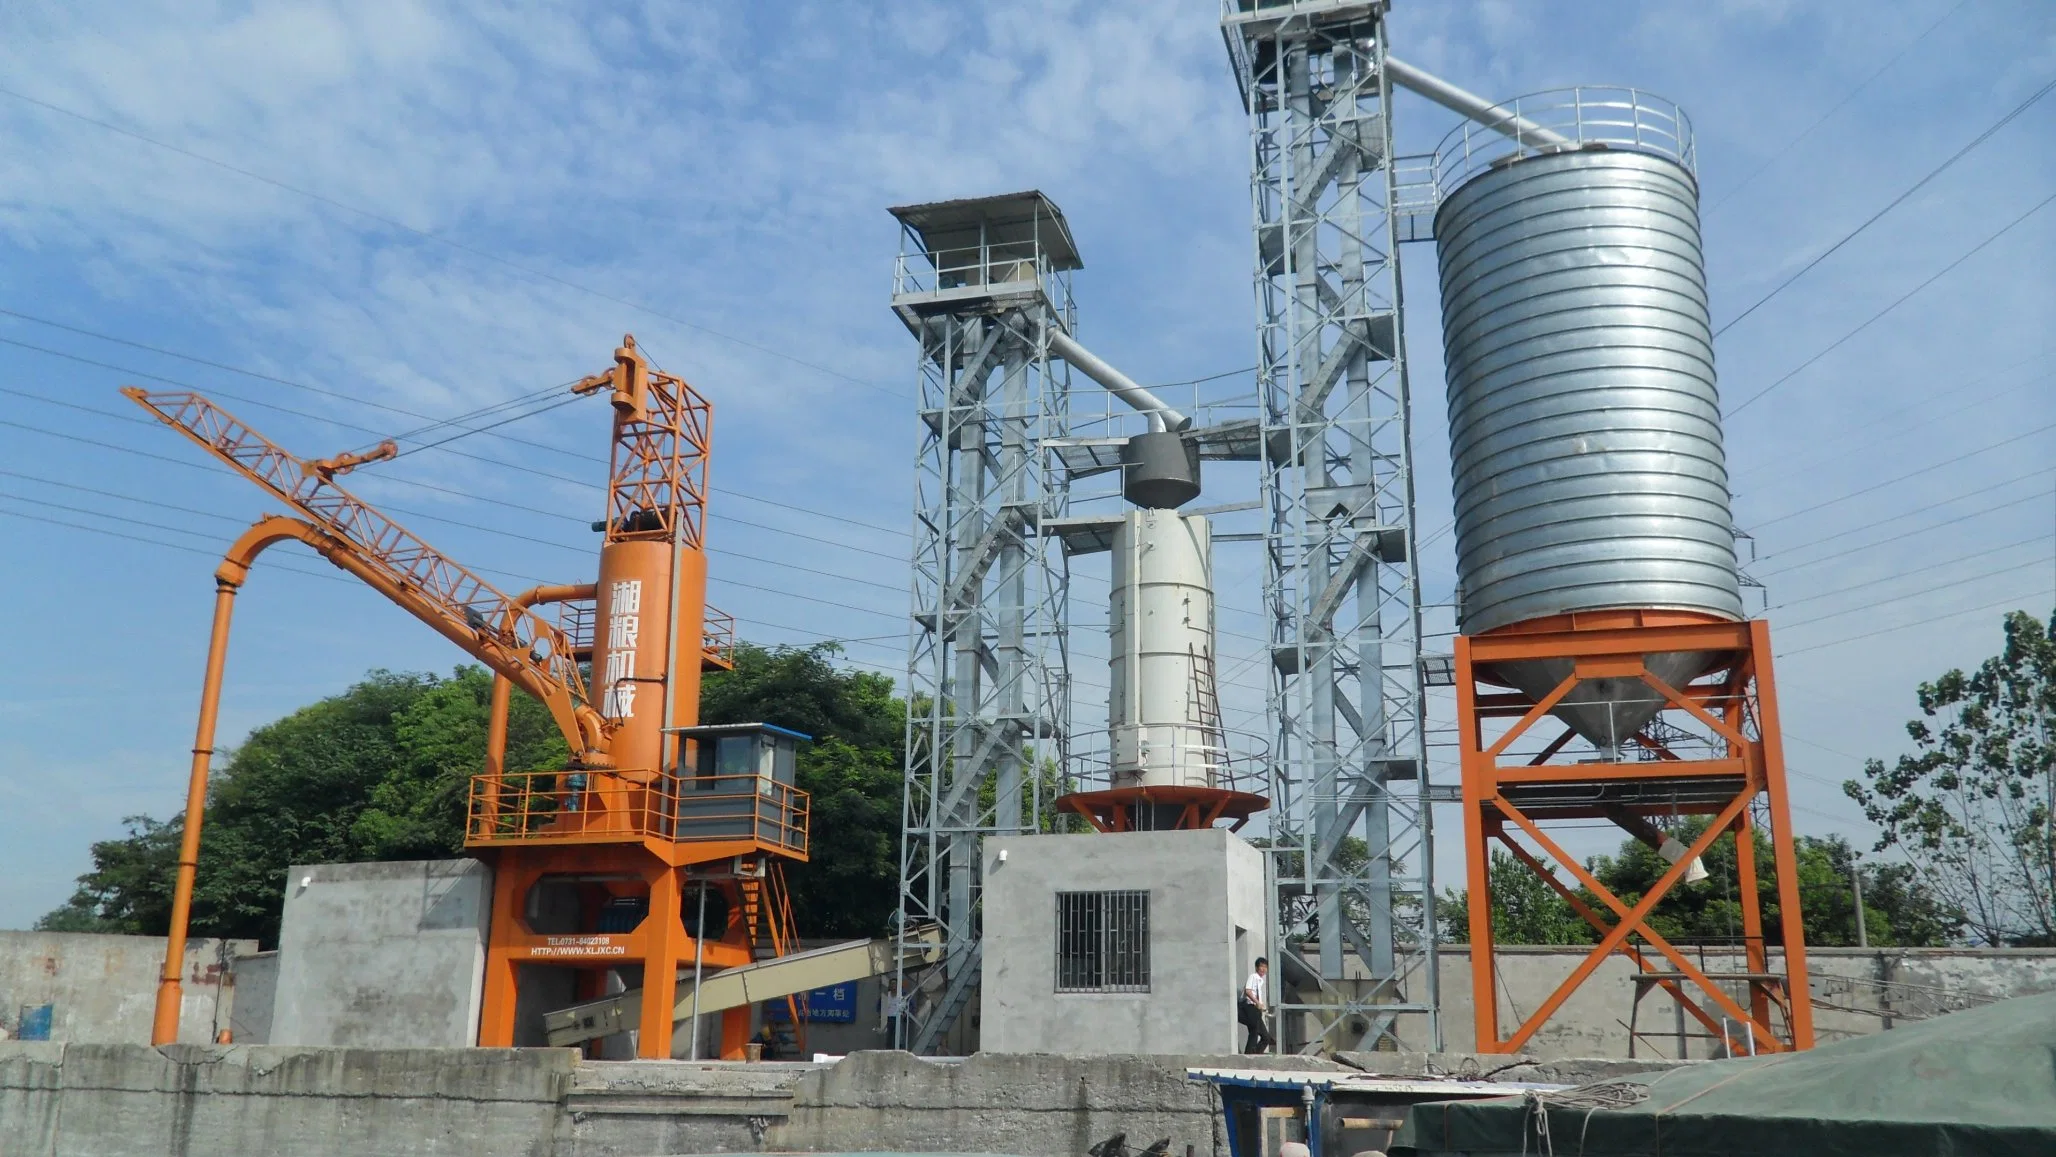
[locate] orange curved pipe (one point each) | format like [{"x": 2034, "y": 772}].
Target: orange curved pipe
[
  {"x": 496, "y": 710},
  {"x": 228, "y": 579},
  {"x": 582, "y": 726}
]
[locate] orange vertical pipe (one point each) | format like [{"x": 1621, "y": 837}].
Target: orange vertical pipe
[
  {"x": 495, "y": 752},
  {"x": 164, "y": 1025}
]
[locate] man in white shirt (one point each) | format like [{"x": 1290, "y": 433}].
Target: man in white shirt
[
  {"x": 895, "y": 1013},
  {"x": 1250, "y": 1010}
]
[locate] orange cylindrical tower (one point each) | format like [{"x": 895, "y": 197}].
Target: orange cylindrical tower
[
  {"x": 1604, "y": 667},
  {"x": 642, "y": 637}
]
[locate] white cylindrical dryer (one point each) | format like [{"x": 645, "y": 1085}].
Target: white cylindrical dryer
[{"x": 1165, "y": 725}]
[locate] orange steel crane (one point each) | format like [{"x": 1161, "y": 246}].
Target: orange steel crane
[{"x": 592, "y": 864}]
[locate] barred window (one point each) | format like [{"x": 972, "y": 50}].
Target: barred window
[{"x": 1103, "y": 941}]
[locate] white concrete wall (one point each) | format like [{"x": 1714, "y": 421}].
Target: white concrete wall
[
  {"x": 1202, "y": 886},
  {"x": 103, "y": 989},
  {"x": 385, "y": 955}
]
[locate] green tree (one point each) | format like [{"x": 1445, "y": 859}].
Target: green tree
[
  {"x": 376, "y": 773},
  {"x": 381, "y": 772},
  {"x": 129, "y": 889},
  {"x": 1899, "y": 909},
  {"x": 1525, "y": 909},
  {"x": 849, "y": 885},
  {"x": 1972, "y": 805}
]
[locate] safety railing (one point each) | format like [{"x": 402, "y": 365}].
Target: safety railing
[
  {"x": 594, "y": 807},
  {"x": 1225, "y": 759},
  {"x": 1562, "y": 120},
  {"x": 717, "y": 643}
]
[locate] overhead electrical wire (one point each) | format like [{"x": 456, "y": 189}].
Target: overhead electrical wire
[
  {"x": 385, "y": 475},
  {"x": 1873, "y": 604},
  {"x": 1957, "y": 406},
  {"x": 1902, "y": 299},
  {"x": 1894, "y": 203},
  {"x": 1924, "y": 621},
  {"x": 1894, "y": 577},
  {"x": 441, "y": 240},
  {"x": 1909, "y": 475},
  {"x": 280, "y": 565},
  {"x": 1953, "y": 520},
  {"x": 1838, "y": 106},
  {"x": 378, "y": 434}
]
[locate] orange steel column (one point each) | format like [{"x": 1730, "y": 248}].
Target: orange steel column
[
  {"x": 1773, "y": 748},
  {"x": 662, "y": 941},
  {"x": 164, "y": 1024},
  {"x": 496, "y": 1004},
  {"x": 1477, "y": 854}
]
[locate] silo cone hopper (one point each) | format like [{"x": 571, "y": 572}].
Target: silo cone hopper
[{"x": 1608, "y": 710}]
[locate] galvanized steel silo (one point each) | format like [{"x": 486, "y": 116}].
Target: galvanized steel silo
[{"x": 1584, "y": 420}]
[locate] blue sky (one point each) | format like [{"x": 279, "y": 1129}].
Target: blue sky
[{"x": 495, "y": 189}]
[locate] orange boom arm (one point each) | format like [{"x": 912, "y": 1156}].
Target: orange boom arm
[{"x": 495, "y": 628}]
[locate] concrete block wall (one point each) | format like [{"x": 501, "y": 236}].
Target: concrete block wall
[
  {"x": 103, "y": 989},
  {"x": 191, "y": 1100},
  {"x": 184, "y": 1101},
  {"x": 387, "y": 955},
  {"x": 1855, "y": 991}
]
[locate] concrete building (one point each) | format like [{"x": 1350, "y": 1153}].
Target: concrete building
[
  {"x": 1130, "y": 942},
  {"x": 93, "y": 989}
]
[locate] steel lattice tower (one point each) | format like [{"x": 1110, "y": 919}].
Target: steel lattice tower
[
  {"x": 1341, "y": 582},
  {"x": 980, "y": 283}
]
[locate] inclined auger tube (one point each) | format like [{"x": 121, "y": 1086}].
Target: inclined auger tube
[{"x": 1584, "y": 419}]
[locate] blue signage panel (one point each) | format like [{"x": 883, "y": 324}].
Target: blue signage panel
[
  {"x": 35, "y": 1022},
  {"x": 835, "y": 1004}
]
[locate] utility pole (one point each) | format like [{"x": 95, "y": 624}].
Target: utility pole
[{"x": 1856, "y": 886}]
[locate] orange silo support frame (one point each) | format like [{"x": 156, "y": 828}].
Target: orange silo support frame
[{"x": 1507, "y": 797}]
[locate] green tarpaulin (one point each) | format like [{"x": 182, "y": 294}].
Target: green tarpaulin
[{"x": 1971, "y": 1083}]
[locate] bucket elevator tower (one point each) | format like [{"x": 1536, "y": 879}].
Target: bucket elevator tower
[
  {"x": 1351, "y": 821},
  {"x": 983, "y": 284}
]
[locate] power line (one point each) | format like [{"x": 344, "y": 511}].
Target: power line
[
  {"x": 375, "y": 433},
  {"x": 275, "y": 564},
  {"x": 381, "y": 475},
  {"x": 1954, "y": 520},
  {"x": 1837, "y": 107},
  {"x": 1922, "y": 622},
  {"x": 1917, "y": 570},
  {"x": 1911, "y": 474},
  {"x": 1913, "y": 594},
  {"x": 1903, "y": 298},
  {"x": 1951, "y": 397},
  {"x": 470, "y": 526},
  {"x": 441, "y": 240},
  {"x": 1895, "y": 202}
]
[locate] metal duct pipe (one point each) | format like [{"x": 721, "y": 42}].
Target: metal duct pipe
[
  {"x": 1120, "y": 385},
  {"x": 1471, "y": 105}
]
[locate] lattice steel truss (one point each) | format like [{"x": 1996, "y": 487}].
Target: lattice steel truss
[
  {"x": 979, "y": 284},
  {"x": 1341, "y": 583}
]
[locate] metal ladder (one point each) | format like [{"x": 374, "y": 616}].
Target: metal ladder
[
  {"x": 767, "y": 913},
  {"x": 1203, "y": 707}
]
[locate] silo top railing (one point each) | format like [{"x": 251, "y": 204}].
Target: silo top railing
[{"x": 1563, "y": 119}]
